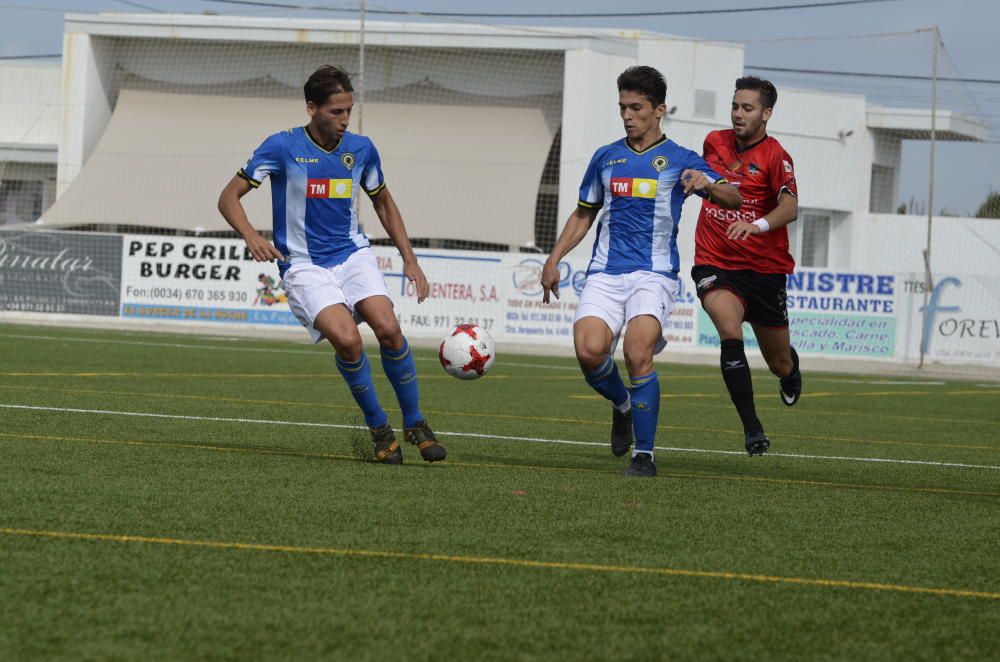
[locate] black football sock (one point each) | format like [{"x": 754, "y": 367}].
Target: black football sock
[
  {"x": 736, "y": 374},
  {"x": 795, "y": 362}
]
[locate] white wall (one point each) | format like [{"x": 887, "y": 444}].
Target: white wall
[
  {"x": 895, "y": 242},
  {"x": 689, "y": 65},
  {"x": 85, "y": 75},
  {"x": 29, "y": 105},
  {"x": 832, "y": 172}
]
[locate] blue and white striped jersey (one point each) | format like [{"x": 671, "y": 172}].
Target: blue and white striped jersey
[
  {"x": 640, "y": 196},
  {"x": 313, "y": 191}
]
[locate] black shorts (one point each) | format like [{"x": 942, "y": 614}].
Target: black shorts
[{"x": 763, "y": 295}]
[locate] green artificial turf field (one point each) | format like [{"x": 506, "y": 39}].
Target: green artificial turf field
[{"x": 178, "y": 496}]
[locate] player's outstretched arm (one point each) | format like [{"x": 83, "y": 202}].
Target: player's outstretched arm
[
  {"x": 575, "y": 230},
  {"x": 232, "y": 210},
  {"x": 388, "y": 214},
  {"x": 721, "y": 193},
  {"x": 786, "y": 212}
]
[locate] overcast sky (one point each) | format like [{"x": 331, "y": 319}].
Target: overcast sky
[{"x": 966, "y": 172}]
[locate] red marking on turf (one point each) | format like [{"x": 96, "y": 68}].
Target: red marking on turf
[
  {"x": 478, "y": 362},
  {"x": 468, "y": 329},
  {"x": 519, "y": 492}
]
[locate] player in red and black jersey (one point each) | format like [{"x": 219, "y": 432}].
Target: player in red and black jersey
[{"x": 741, "y": 257}]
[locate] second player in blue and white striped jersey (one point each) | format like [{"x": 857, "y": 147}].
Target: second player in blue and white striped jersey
[
  {"x": 640, "y": 194},
  {"x": 634, "y": 188}
]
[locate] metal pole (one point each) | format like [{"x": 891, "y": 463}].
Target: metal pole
[
  {"x": 359, "y": 93},
  {"x": 928, "y": 278},
  {"x": 361, "y": 72}
]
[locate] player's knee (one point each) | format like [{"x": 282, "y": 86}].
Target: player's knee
[
  {"x": 727, "y": 316},
  {"x": 588, "y": 360},
  {"x": 638, "y": 362},
  {"x": 347, "y": 345},
  {"x": 729, "y": 330},
  {"x": 387, "y": 332},
  {"x": 589, "y": 352},
  {"x": 638, "y": 355}
]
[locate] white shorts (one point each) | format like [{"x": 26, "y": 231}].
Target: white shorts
[
  {"x": 616, "y": 299},
  {"x": 312, "y": 288}
]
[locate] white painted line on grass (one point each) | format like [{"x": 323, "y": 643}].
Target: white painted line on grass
[
  {"x": 265, "y": 350},
  {"x": 477, "y": 435},
  {"x": 885, "y": 382},
  {"x": 149, "y": 343}
]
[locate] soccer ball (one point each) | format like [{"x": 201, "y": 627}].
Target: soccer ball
[{"x": 467, "y": 352}]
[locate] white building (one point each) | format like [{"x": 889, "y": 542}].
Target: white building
[
  {"x": 29, "y": 137},
  {"x": 484, "y": 131}
]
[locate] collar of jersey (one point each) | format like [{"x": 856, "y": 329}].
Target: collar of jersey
[
  {"x": 748, "y": 147},
  {"x": 662, "y": 140},
  {"x": 305, "y": 130}
]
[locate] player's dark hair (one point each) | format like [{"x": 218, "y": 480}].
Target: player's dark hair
[
  {"x": 768, "y": 93},
  {"x": 327, "y": 80},
  {"x": 646, "y": 81}
]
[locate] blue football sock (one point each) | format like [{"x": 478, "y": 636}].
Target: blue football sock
[
  {"x": 358, "y": 376},
  {"x": 645, "y": 393},
  {"x": 605, "y": 380},
  {"x": 402, "y": 373}
]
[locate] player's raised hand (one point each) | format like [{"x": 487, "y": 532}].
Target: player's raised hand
[
  {"x": 261, "y": 249},
  {"x": 549, "y": 281},
  {"x": 694, "y": 181},
  {"x": 415, "y": 275},
  {"x": 740, "y": 230}
]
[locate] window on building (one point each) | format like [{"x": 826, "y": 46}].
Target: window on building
[
  {"x": 809, "y": 238},
  {"x": 21, "y": 201},
  {"x": 704, "y": 103},
  {"x": 883, "y": 190},
  {"x": 547, "y": 202}
]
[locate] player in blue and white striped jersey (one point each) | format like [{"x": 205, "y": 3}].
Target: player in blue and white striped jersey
[
  {"x": 634, "y": 188},
  {"x": 327, "y": 265}
]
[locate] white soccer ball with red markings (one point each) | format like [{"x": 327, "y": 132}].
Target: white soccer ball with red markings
[{"x": 467, "y": 352}]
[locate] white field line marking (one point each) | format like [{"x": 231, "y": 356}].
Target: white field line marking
[
  {"x": 884, "y": 382},
  {"x": 266, "y": 350},
  {"x": 476, "y": 435}
]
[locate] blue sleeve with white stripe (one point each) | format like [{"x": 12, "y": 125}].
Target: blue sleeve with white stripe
[
  {"x": 592, "y": 188},
  {"x": 695, "y": 162},
  {"x": 265, "y": 161},
  {"x": 372, "y": 179}
]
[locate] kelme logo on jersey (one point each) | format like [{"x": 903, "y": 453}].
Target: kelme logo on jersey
[
  {"x": 660, "y": 163},
  {"x": 753, "y": 169},
  {"x": 348, "y": 160},
  {"x": 629, "y": 187},
  {"x": 328, "y": 188}
]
